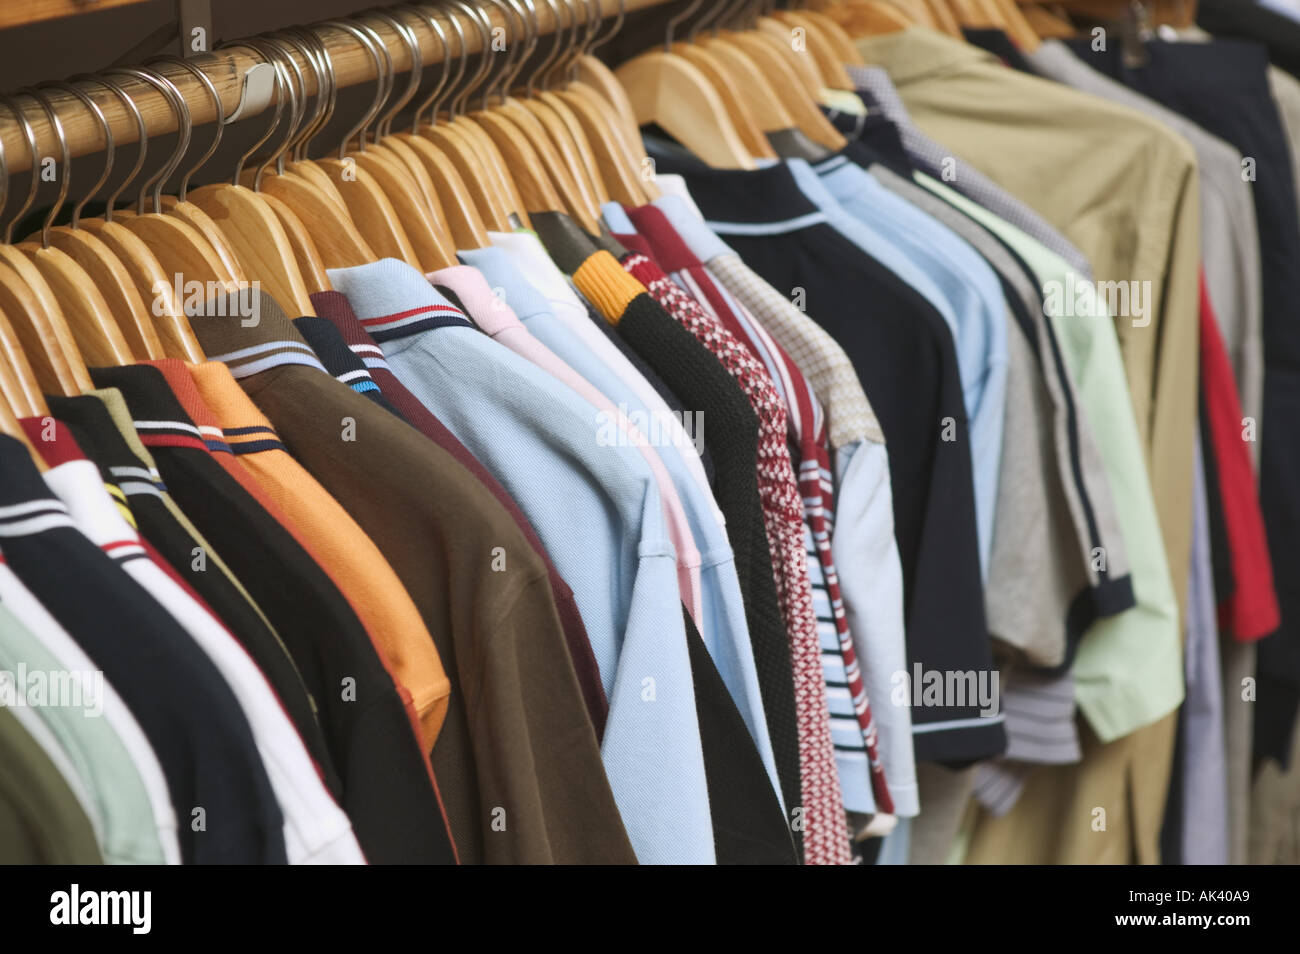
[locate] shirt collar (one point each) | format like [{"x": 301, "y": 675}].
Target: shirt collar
[
  {"x": 497, "y": 270},
  {"x": 156, "y": 413},
  {"x": 245, "y": 429},
  {"x": 339, "y": 360},
  {"x": 249, "y": 345},
  {"x": 334, "y": 307},
  {"x": 27, "y": 505},
  {"x": 392, "y": 300},
  {"x": 702, "y": 240}
]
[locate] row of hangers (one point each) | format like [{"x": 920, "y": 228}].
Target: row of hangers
[{"x": 485, "y": 148}]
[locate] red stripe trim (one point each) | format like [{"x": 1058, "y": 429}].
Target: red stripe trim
[{"x": 407, "y": 314}]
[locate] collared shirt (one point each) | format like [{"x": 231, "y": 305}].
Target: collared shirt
[
  {"x": 494, "y": 312},
  {"x": 1140, "y": 232},
  {"x": 725, "y": 632},
  {"x": 528, "y": 255},
  {"x": 598, "y": 511},
  {"x": 372, "y": 735},
  {"x": 862, "y": 539},
  {"x": 334, "y": 307},
  {"x": 316, "y": 831},
  {"x": 193, "y": 721},
  {"x": 975, "y": 295},
  {"x": 342, "y": 547},
  {"x": 1229, "y": 237},
  {"x": 853, "y": 730},
  {"x": 939, "y": 161},
  {"x": 130, "y": 832}
]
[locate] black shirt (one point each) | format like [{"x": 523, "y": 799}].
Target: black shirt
[
  {"x": 226, "y": 810},
  {"x": 387, "y": 790}
]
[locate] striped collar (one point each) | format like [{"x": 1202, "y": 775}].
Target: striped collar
[
  {"x": 339, "y": 360},
  {"x": 392, "y": 300},
  {"x": 333, "y": 307},
  {"x": 251, "y": 347},
  {"x": 27, "y": 505}
]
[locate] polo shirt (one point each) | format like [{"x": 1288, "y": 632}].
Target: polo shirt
[
  {"x": 128, "y": 833},
  {"x": 904, "y": 354},
  {"x": 387, "y": 791},
  {"x": 1224, "y": 86},
  {"x": 491, "y": 309},
  {"x": 724, "y": 631},
  {"x": 315, "y": 829},
  {"x": 191, "y": 717},
  {"x": 158, "y": 521},
  {"x": 618, "y": 295},
  {"x": 1134, "y": 209},
  {"x": 862, "y": 539},
  {"x": 528, "y": 255},
  {"x": 53, "y": 639},
  {"x": 484, "y": 593},
  {"x": 335, "y": 308},
  {"x": 851, "y": 724},
  {"x": 1230, "y": 251},
  {"x": 41, "y": 820},
  {"x": 938, "y": 160},
  {"x": 341, "y": 547},
  {"x": 339, "y": 360},
  {"x": 598, "y": 511},
  {"x": 703, "y": 383},
  {"x": 974, "y": 295}
]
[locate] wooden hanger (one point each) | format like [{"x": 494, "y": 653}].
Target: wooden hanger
[
  {"x": 870, "y": 17},
  {"x": 664, "y": 88},
  {"x": 1179, "y": 14},
  {"x": 22, "y": 393},
  {"x": 462, "y": 217},
  {"x": 78, "y": 300},
  {"x": 845, "y": 52},
  {"x": 155, "y": 286},
  {"x": 771, "y": 54},
  {"x": 817, "y": 44},
  {"x": 105, "y": 269}
]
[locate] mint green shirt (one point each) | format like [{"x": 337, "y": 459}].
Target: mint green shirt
[
  {"x": 127, "y": 830},
  {"x": 1129, "y": 668}
]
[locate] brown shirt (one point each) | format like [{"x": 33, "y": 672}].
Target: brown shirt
[{"x": 517, "y": 760}]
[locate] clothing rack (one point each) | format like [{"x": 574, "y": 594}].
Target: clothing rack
[{"x": 229, "y": 67}]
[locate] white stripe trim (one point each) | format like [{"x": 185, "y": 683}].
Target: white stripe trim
[
  {"x": 25, "y": 528},
  {"x": 251, "y": 368},
  {"x": 260, "y": 349},
  {"x": 168, "y": 425},
  {"x": 768, "y": 228},
  {"x": 957, "y": 724},
  {"x": 31, "y": 506}
]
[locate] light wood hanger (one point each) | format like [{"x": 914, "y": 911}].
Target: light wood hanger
[
  {"x": 179, "y": 247},
  {"x": 37, "y": 318},
  {"x": 126, "y": 304},
  {"x": 155, "y": 286},
  {"x": 1179, "y": 14},
  {"x": 664, "y": 88},
  {"x": 540, "y": 128},
  {"x": 776, "y": 57},
  {"x": 870, "y": 17},
  {"x": 322, "y": 217},
  {"x": 732, "y": 78},
  {"x": 463, "y": 218},
  {"x": 415, "y": 209},
  {"x": 477, "y": 158},
  {"x": 845, "y": 51},
  {"x": 617, "y": 163},
  {"x": 82, "y": 306},
  {"x": 552, "y": 121},
  {"x": 22, "y": 393},
  {"x": 818, "y": 45}
]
